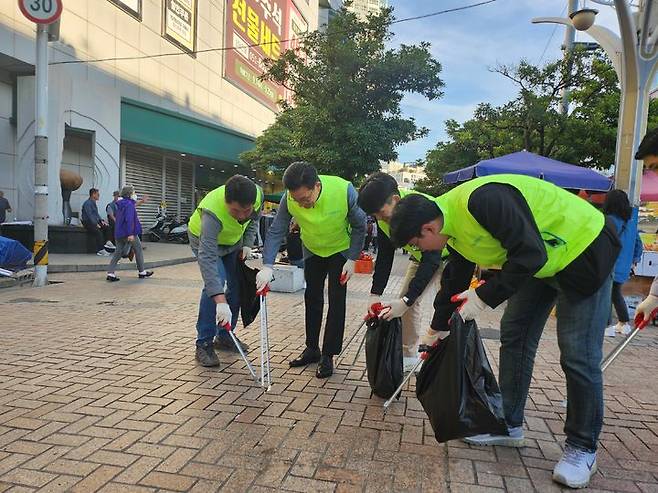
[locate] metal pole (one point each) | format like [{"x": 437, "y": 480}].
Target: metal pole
[
  {"x": 41, "y": 160},
  {"x": 569, "y": 38}
]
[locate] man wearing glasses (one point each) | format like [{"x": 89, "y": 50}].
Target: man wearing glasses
[{"x": 333, "y": 228}]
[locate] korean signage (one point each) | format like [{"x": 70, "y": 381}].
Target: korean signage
[
  {"x": 133, "y": 7},
  {"x": 179, "y": 23},
  {"x": 255, "y": 30}
]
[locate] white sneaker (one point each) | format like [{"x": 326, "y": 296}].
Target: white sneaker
[
  {"x": 103, "y": 253},
  {"x": 410, "y": 363},
  {"x": 109, "y": 244},
  {"x": 575, "y": 468},
  {"x": 514, "y": 439},
  {"x": 611, "y": 331},
  {"x": 626, "y": 329}
]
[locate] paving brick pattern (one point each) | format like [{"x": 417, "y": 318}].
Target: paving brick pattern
[{"x": 99, "y": 392}]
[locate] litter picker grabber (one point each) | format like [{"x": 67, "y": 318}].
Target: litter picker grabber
[
  {"x": 244, "y": 356},
  {"x": 265, "y": 375},
  {"x": 424, "y": 353},
  {"x": 375, "y": 308},
  {"x": 640, "y": 324}
]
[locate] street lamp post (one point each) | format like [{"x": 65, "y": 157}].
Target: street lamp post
[{"x": 634, "y": 56}]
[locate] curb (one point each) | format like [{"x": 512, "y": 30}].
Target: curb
[{"x": 58, "y": 269}]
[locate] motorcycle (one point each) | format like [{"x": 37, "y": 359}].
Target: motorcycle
[{"x": 167, "y": 228}]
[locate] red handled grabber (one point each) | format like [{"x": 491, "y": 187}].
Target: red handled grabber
[
  {"x": 237, "y": 345},
  {"x": 265, "y": 375},
  {"x": 376, "y": 309},
  {"x": 640, "y": 324}
]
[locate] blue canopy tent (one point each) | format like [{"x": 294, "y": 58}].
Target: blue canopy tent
[{"x": 526, "y": 163}]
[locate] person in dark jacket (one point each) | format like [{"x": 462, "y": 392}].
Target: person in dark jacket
[
  {"x": 553, "y": 248},
  {"x": 127, "y": 230},
  {"x": 95, "y": 225},
  {"x": 378, "y": 197},
  {"x": 618, "y": 208}
]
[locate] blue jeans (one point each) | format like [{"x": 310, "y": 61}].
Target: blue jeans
[
  {"x": 206, "y": 325},
  {"x": 580, "y": 328}
]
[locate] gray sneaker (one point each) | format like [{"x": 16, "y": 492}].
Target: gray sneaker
[
  {"x": 205, "y": 355},
  {"x": 225, "y": 343},
  {"x": 514, "y": 439}
]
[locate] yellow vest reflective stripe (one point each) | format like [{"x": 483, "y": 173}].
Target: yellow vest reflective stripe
[
  {"x": 567, "y": 223},
  {"x": 215, "y": 202},
  {"x": 324, "y": 227}
]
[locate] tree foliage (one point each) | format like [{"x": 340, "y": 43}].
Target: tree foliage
[
  {"x": 532, "y": 121},
  {"x": 347, "y": 86}
]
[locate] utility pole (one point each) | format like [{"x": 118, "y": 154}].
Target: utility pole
[
  {"x": 569, "y": 38},
  {"x": 43, "y": 13},
  {"x": 41, "y": 161}
]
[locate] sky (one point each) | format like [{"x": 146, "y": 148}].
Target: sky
[{"x": 468, "y": 43}]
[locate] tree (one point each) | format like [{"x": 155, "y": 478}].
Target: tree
[
  {"x": 532, "y": 121},
  {"x": 347, "y": 87}
]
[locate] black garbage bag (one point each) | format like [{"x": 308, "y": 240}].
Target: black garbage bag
[
  {"x": 384, "y": 356},
  {"x": 249, "y": 300},
  {"x": 457, "y": 388}
]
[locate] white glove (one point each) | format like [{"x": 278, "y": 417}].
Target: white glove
[
  {"x": 394, "y": 309},
  {"x": 649, "y": 304},
  {"x": 473, "y": 305},
  {"x": 264, "y": 277},
  {"x": 246, "y": 253},
  {"x": 348, "y": 270},
  {"x": 224, "y": 315}
]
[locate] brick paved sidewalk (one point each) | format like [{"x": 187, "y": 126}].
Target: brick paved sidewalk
[{"x": 99, "y": 391}]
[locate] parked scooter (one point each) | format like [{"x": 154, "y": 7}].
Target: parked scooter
[{"x": 167, "y": 228}]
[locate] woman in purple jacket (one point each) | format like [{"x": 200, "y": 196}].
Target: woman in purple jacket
[{"x": 126, "y": 232}]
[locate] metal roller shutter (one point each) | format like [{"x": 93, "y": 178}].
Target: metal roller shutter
[
  {"x": 186, "y": 189},
  {"x": 171, "y": 187},
  {"x": 144, "y": 172}
]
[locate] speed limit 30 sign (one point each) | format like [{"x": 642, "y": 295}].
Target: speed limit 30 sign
[{"x": 41, "y": 11}]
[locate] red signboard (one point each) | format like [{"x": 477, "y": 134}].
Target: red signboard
[{"x": 255, "y": 30}]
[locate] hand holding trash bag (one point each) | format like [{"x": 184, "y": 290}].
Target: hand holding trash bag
[{"x": 457, "y": 387}]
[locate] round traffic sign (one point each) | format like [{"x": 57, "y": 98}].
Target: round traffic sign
[{"x": 41, "y": 11}]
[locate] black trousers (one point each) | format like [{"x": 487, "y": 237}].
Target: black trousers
[
  {"x": 101, "y": 235},
  {"x": 316, "y": 270},
  {"x": 619, "y": 303}
]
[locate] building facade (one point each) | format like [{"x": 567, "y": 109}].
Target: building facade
[
  {"x": 363, "y": 8},
  {"x": 160, "y": 94},
  {"x": 406, "y": 174}
]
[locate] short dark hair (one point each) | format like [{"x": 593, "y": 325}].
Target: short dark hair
[
  {"x": 649, "y": 145},
  {"x": 240, "y": 189},
  {"x": 617, "y": 204},
  {"x": 377, "y": 191},
  {"x": 92, "y": 191},
  {"x": 300, "y": 174},
  {"x": 409, "y": 216}
]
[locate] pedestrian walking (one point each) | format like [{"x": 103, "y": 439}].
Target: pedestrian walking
[
  {"x": 95, "y": 225},
  {"x": 127, "y": 231},
  {"x": 378, "y": 196},
  {"x": 553, "y": 247},
  {"x": 333, "y": 229},
  {"x": 222, "y": 228},
  {"x": 618, "y": 208}
]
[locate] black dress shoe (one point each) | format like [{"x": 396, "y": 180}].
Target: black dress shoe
[
  {"x": 325, "y": 367},
  {"x": 307, "y": 357}
]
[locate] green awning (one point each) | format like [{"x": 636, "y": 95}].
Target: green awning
[{"x": 156, "y": 127}]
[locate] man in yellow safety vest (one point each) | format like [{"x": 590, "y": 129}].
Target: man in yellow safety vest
[
  {"x": 553, "y": 248},
  {"x": 333, "y": 229}
]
